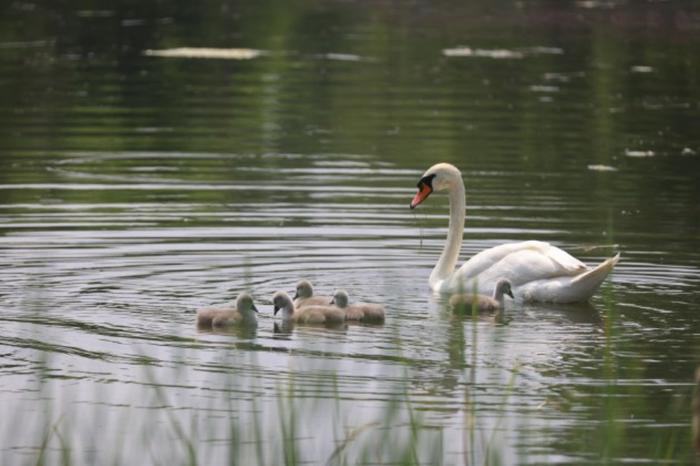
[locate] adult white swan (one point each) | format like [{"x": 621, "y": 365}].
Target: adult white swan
[{"x": 536, "y": 270}]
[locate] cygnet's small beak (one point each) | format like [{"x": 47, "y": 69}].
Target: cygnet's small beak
[
  {"x": 277, "y": 308},
  {"x": 332, "y": 303},
  {"x": 255, "y": 308},
  {"x": 423, "y": 192},
  {"x": 296, "y": 295},
  {"x": 509, "y": 292}
]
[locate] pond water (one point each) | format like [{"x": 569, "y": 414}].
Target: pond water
[{"x": 137, "y": 187}]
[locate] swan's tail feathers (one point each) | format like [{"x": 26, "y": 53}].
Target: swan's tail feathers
[{"x": 583, "y": 286}]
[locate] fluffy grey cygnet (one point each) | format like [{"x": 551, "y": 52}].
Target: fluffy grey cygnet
[
  {"x": 363, "y": 312},
  {"x": 304, "y": 296},
  {"x": 465, "y": 301},
  {"x": 311, "y": 314},
  {"x": 242, "y": 312}
]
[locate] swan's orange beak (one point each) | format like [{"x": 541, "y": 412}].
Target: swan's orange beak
[{"x": 423, "y": 192}]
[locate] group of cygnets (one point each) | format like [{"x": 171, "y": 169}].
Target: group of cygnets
[
  {"x": 304, "y": 308},
  {"x": 307, "y": 308}
]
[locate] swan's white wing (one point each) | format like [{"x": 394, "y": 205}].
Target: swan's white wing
[
  {"x": 529, "y": 260},
  {"x": 520, "y": 263},
  {"x": 537, "y": 271},
  {"x": 567, "y": 289}
]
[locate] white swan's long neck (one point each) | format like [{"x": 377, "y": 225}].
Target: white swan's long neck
[{"x": 450, "y": 254}]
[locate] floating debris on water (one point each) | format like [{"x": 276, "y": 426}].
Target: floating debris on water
[
  {"x": 641, "y": 69},
  {"x": 500, "y": 54},
  {"x": 602, "y": 168},
  {"x": 341, "y": 56},
  {"x": 541, "y": 88},
  {"x": 95, "y": 13},
  {"x": 25, "y": 44},
  {"x": 639, "y": 153},
  {"x": 563, "y": 77},
  {"x": 131, "y": 22},
  {"x": 543, "y": 50},
  {"x": 205, "y": 52},
  {"x": 591, "y": 4},
  {"x": 688, "y": 151}
]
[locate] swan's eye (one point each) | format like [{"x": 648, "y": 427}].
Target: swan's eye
[{"x": 426, "y": 181}]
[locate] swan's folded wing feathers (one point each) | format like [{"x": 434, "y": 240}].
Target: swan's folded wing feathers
[
  {"x": 600, "y": 271},
  {"x": 488, "y": 257},
  {"x": 568, "y": 289},
  {"x": 520, "y": 267},
  {"x": 566, "y": 261},
  {"x": 523, "y": 261}
]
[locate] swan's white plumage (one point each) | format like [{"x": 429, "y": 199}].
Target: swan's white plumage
[
  {"x": 518, "y": 262},
  {"x": 537, "y": 270}
]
